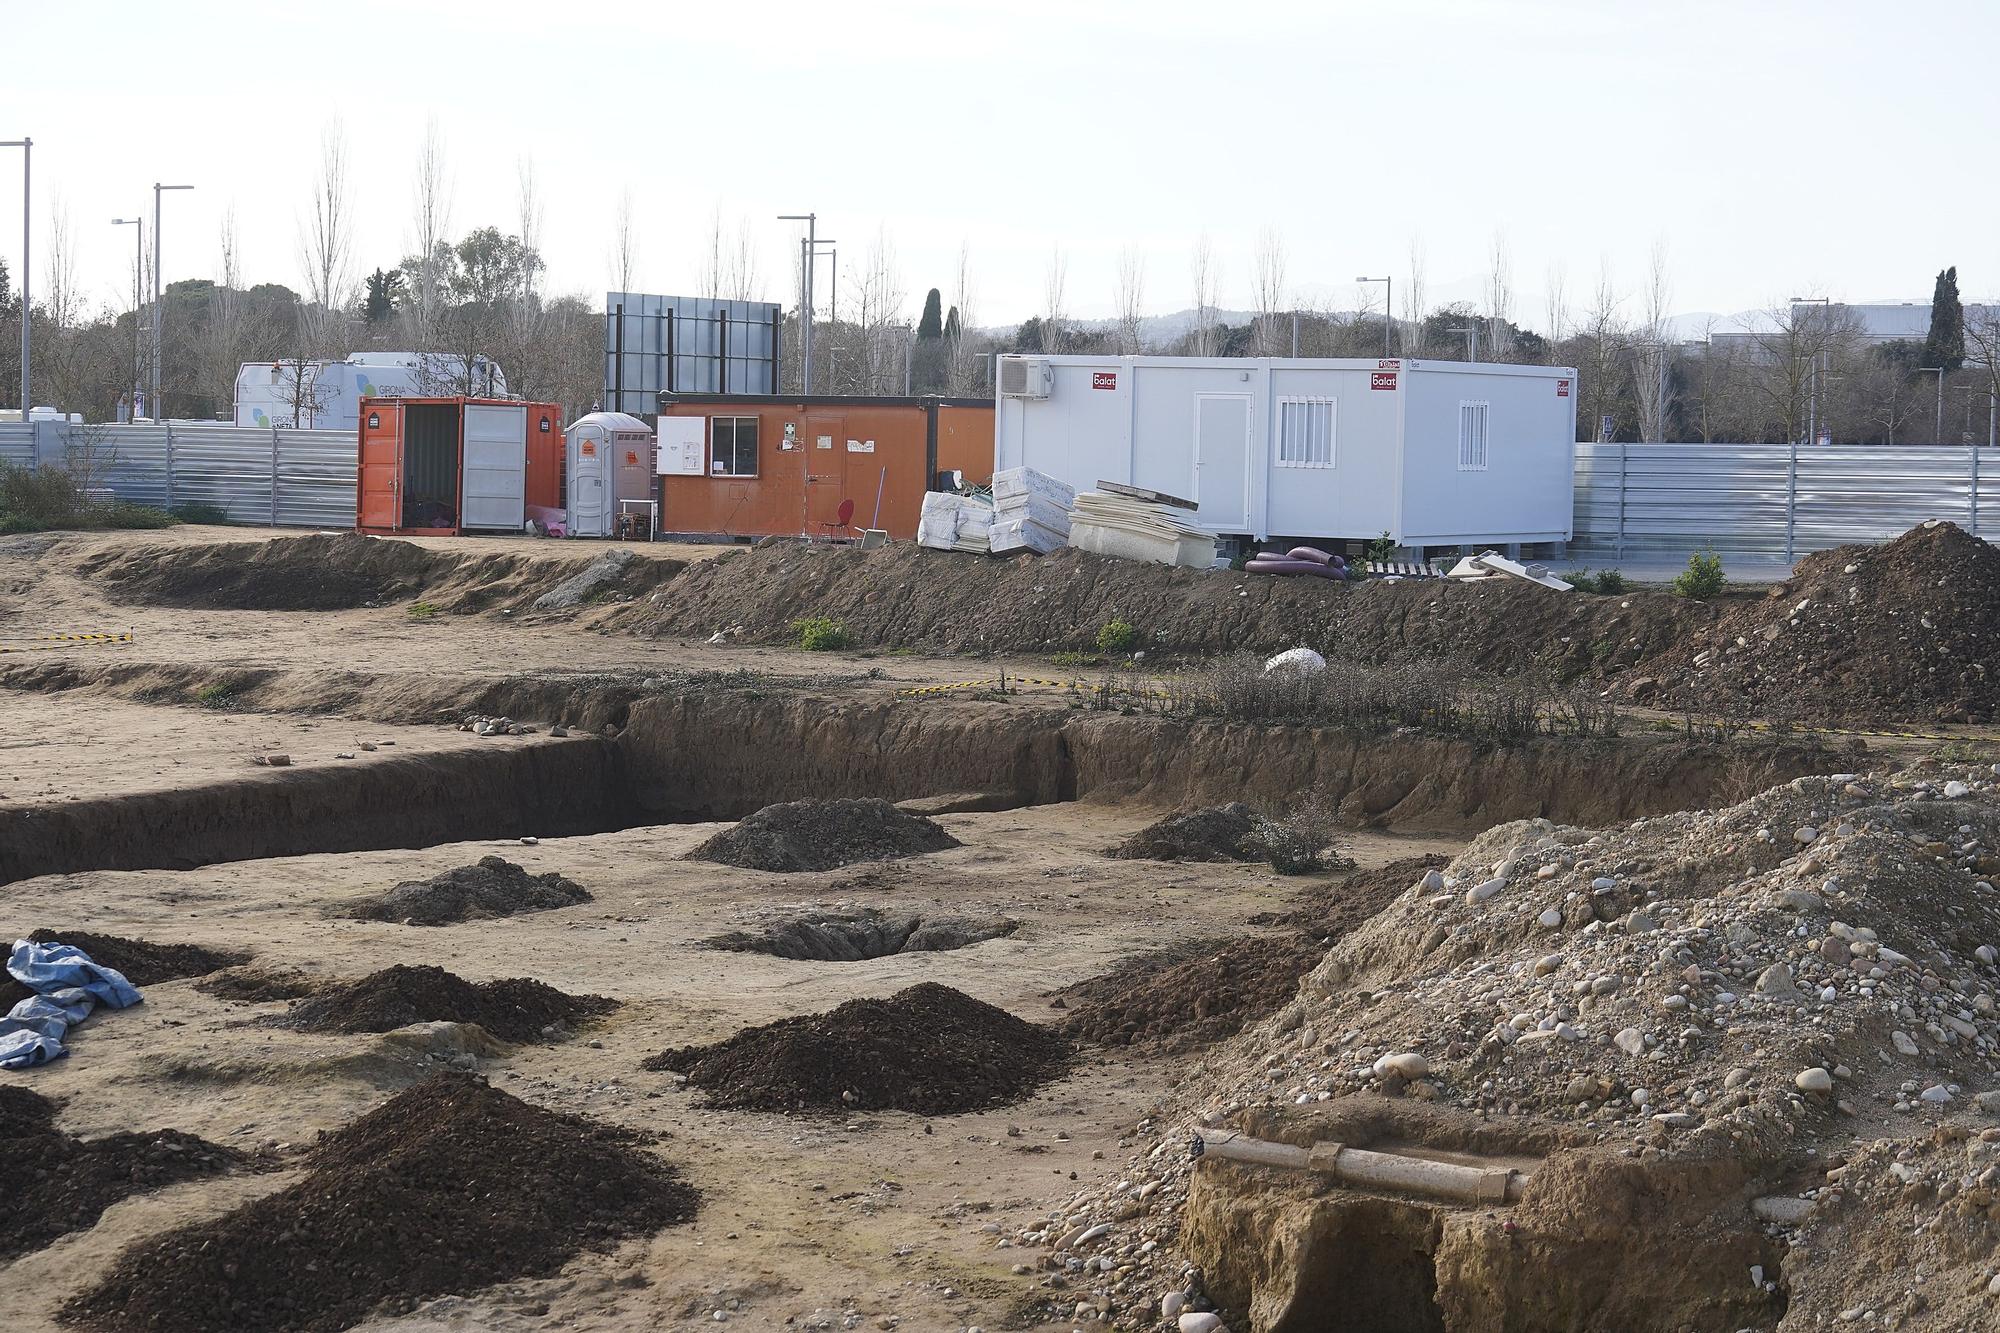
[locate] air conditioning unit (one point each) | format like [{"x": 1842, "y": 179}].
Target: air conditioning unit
[{"x": 1025, "y": 377}]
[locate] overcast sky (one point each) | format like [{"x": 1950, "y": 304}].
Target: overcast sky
[{"x": 1775, "y": 146}]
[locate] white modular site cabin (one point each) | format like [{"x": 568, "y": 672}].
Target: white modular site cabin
[{"x": 1434, "y": 453}]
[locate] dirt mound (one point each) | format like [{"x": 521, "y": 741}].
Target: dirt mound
[
  {"x": 515, "y": 1009},
  {"x": 447, "y": 1187},
  {"x": 1325, "y": 911},
  {"x": 823, "y": 835},
  {"x": 1218, "y": 833},
  {"x": 868, "y": 932},
  {"x": 1906, "y": 630},
  {"x": 24, "y": 1111},
  {"x": 906, "y": 597},
  {"x": 52, "y": 1184},
  {"x": 256, "y": 985},
  {"x": 1195, "y": 994},
  {"x": 928, "y": 1049},
  {"x": 322, "y": 572},
  {"x": 142, "y": 962},
  {"x": 493, "y": 887}
]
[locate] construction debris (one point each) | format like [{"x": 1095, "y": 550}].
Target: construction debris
[
  {"x": 1112, "y": 522},
  {"x": 1493, "y": 565},
  {"x": 1031, "y": 511}
]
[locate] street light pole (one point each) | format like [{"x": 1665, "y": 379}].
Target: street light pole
[
  {"x": 1813, "y": 371},
  {"x": 138, "y": 309},
  {"x": 158, "y": 346},
  {"x": 1388, "y": 308},
  {"x": 808, "y": 254},
  {"x": 27, "y": 147},
  {"x": 1471, "y": 332}
]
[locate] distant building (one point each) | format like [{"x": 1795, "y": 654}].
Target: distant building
[{"x": 1878, "y": 321}]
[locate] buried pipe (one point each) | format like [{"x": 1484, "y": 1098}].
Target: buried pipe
[{"x": 1381, "y": 1170}]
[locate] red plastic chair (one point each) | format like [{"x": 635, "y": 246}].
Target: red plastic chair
[{"x": 843, "y": 518}]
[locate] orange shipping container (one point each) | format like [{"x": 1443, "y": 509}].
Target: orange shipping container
[
  {"x": 742, "y": 465},
  {"x": 442, "y": 466}
]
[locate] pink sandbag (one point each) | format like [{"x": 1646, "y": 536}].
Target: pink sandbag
[{"x": 1317, "y": 556}]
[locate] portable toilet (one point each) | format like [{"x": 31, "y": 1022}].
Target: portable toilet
[
  {"x": 610, "y": 458},
  {"x": 442, "y": 466}
]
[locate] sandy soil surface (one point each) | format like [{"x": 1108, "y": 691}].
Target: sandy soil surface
[
  {"x": 874, "y": 1215},
  {"x": 78, "y": 745}
]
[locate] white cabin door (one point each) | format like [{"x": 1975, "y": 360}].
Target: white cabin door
[{"x": 1222, "y": 461}]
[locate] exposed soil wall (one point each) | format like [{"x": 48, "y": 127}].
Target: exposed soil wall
[{"x": 545, "y": 788}]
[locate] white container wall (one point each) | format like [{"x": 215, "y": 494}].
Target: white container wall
[{"x": 1436, "y": 453}]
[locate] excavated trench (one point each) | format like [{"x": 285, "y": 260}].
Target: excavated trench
[{"x": 722, "y": 754}]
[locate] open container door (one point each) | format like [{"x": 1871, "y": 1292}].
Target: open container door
[
  {"x": 380, "y": 504},
  {"x": 494, "y": 468}
]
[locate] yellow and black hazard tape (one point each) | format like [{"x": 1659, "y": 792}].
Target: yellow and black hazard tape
[{"x": 42, "y": 643}]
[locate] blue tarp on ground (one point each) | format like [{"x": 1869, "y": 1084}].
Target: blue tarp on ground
[{"x": 67, "y": 987}]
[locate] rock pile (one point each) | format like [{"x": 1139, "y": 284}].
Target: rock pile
[
  {"x": 1795, "y": 995},
  {"x": 823, "y": 835}
]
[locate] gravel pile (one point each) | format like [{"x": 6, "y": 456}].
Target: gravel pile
[
  {"x": 514, "y": 1009},
  {"x": 446, "y": 1188},
  {"x": 1232, "y": 832},
  {"x": 1802, "y": 986},
  {"x": 493, "y": 887},
  {"x": 52, "y": 1184},
  {"x": 1908, "y": 630},
  {"x": 823, "y": 835},
  {"x": 928, "y": 1049}
]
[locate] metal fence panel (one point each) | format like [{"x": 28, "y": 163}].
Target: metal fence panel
[
  {"x": 284, "y": 478},
  {"x": 1772, "y": 501}
]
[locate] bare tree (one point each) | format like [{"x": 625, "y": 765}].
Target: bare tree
[
  {"x": 433, "y": 229},
  {"x": 1270, "y": 282},
  {"x": 961, "y": 364},
  {"x": 222, "y": 343},
  {"x": 1650, "y": 388},
  {"x": 1797, "y": 344},
  {"x": 1557, "y": 317},
  {"x": 326, "y": 245},
  {"x": 1499, "y": 299},
  {"x": 1055, "y": 312},
  {"x": 741, "y": 280},
  {"x": 1982, "y": 343},
  {"x": 1131, "y": 299},
  {"x": 624, "y": 245},
  {"x": 528, "y": 211},
  {"x": 710, "y": 280},
  {"x": 61, "y": 301},
  {"x": 1416, "y": 298},
  {"x": 1601, "y": 342},
  {"x": 1203, "y": 271},
  {"x": 877, "y": 364}
]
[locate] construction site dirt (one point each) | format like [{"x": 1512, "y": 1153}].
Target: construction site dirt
[{"x": 918, "y": 1052}]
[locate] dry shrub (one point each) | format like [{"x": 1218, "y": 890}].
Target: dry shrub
[{"x": 1427, "y": 694}]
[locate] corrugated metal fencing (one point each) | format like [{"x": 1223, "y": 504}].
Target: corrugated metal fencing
[
  {"x": 284, "y": 478},
  {"x": 1773, "y": 501}
]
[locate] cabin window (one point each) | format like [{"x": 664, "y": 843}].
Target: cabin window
[
  {"x": 1305, "y": 431},
  {"x": 1472, "y": 436},
  {"x": 732, "y": 446}
]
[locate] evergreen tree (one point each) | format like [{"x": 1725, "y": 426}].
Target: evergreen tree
[
  {"x": 1946, "y": 344},
  {"x": 931, "y": 326},
  {"x": 383, "y": 290},
  {"x": 951, "y": 329}
]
